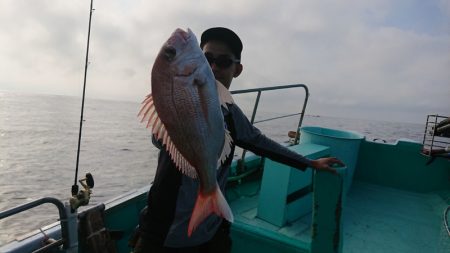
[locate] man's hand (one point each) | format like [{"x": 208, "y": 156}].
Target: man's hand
[{"x": 325, "y": 164}]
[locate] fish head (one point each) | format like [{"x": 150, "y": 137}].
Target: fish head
[
  {"x": 180, "y": 53},
  {"x": 178, "y": 43},
  {"x": 181, "y": 66}
]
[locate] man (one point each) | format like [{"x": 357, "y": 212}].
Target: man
[{"x": 164, "y": 224}]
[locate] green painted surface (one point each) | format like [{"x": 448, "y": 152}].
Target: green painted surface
[
  {"x": 379, "y": 219},
  {"x": 280, "y": 180},
  {"x": 376, "y": 219},
  {"x": 343, "y": 144},
  {"x": 247, "y": 238},
  {"x": 379, "y": 215},
  {"x": 395, "y": 204},
  {"x": 251, "y": 234},
  {"x": 251, "y": 161},
  {"x": 329, "y": 195},
  {"x": 122, "y": 215},
  {"x": 401, "y": 166}
]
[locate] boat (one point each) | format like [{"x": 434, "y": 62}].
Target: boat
[{"x": 390, "y": 197}]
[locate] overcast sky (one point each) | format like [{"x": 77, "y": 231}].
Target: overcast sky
[{"x": 386, "y": 60}]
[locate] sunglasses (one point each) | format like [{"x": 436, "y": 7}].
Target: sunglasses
[{"x": 222, "y": 61}]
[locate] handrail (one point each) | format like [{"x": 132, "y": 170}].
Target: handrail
[
  {"x": 255, "y": 107},
  {"x": 35, "y": 203},
  {"x": 46, "y": 200},
  {"x": 431, "y": 139}
]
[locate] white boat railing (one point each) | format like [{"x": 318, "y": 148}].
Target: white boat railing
[
  {"x": 68, "y": 220},
  {"x": 258, "y": 92}
]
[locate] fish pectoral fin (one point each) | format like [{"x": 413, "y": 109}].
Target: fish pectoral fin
[
  {"x": 226, "y": 150},
  {"x": 208, "y": 204},
  {"x": 224, "y": 95}
]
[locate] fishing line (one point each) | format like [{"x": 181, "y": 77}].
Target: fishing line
[{"x": 75, "y": 185}]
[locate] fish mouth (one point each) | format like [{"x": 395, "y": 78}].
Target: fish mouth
[
  {"x": 179, "y": 38},
  {"x": 182, "y": 34}
]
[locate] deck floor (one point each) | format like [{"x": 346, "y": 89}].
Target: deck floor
[{"x": 376, "y": 219}]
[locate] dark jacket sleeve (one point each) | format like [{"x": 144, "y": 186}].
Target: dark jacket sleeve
[{"x": 247, "y": 136}]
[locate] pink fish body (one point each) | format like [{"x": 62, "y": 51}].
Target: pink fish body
[{"x": 184, "y": 110}]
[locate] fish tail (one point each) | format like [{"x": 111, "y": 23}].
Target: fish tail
[{"x": 207, "y": 204}]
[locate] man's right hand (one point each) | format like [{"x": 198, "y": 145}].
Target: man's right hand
[{"x": 325, "y": 164}]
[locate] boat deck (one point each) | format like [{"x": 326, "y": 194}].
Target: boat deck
[
  {"x": 382, "y": 219},
  {"x": 376, "y": 219}
]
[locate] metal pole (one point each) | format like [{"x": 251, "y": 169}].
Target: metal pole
[
  {"x": 84, "y": 92},
  {"x": 255, "y": 108},
  {"x": 252, "y": 120},
  {"x": 297, "y": 136}
]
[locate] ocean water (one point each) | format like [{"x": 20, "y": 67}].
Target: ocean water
[{"x": 38, "y": 147}]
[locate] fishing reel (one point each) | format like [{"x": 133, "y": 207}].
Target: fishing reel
[{"x": 82, "y": 197}]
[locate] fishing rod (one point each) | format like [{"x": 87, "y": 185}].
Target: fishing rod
[{"x": 78, "y": 198}]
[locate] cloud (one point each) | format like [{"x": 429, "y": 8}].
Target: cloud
[{"x": 375, "y": 55}]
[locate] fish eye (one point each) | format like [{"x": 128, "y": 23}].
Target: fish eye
[{"x": 170, "y": 53}]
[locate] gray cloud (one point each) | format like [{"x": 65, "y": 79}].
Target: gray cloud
[{"x": 355, "y": 56}]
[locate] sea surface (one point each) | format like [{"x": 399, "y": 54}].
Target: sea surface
[{"x": 39, "y": 138}]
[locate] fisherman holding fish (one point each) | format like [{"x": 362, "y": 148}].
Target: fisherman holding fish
[{"x": 196, "y": 125}]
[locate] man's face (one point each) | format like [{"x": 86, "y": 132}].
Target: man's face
[{"x": 220, "y": 52}]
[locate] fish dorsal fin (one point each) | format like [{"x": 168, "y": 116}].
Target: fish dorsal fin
[
  {"x": 226, "y": 150},
  {"x": 149, "y": 115},
  {"x": 224, "y": 95}
]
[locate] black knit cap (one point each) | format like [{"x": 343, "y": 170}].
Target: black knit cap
[{"x": 225, "y": 35}]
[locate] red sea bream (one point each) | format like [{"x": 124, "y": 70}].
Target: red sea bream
[{"x": 184, "y": 110}]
